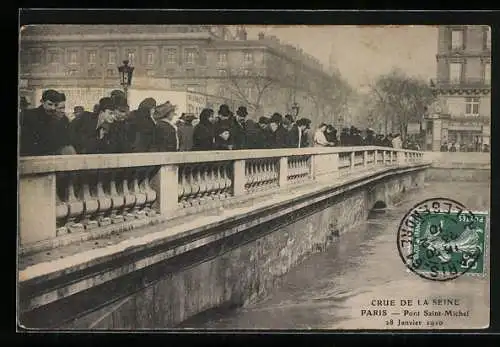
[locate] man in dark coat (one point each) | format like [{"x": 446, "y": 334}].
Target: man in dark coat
[
  {"x": 167, "y": 135},
  {"x": 369, "y": 140},
  {"x": 43, "y": 130},
  {"x": 278, "y": 134},
  {"x": 186, "y": 131},
  {"x": 103, "y": 140},
  {"x": 239, "y": 128},
  {"x": 225, "y": 119},
  {"x": 258, "y": 135},
  {"x": 203, "y": 134},
  {"x": 120, "y": 134},
  {"x": 143, "y": 125},
  {"x": 296, "y": 137},
  {"x": 345, "y": 138}
]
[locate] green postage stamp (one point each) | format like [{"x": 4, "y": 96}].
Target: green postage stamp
[{"x": 440, "y": 240}]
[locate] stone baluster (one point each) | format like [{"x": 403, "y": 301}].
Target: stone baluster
[
  {"x": 214, "y": 183},
  {"x": 75, "y": 206},
  {"x": 90, "y": 203},
  {"x": 140, "y": 196},
  {"x": 128, "y": 196},
  {"x": 248, "y": 175},
  {"x": 200, "y": 177},
  {"x": 195, "y": 186},
  {"x": 103, "y": 199},
  {"x": 265, "y": 173},
  {"x": 183, "y": 187},
  {"x": 209, "y": 183},
  {"x": 276, "y": 170},
  {"x": 221, "y": 183},
  {"x": 228, "y": 186},
  {"x": 269, "y": 171},
  {"x": 62, "y": 209},
  {"x": 260, "y": 174},
  {"x": 256, "y": 175},
  {"x": 117, "y": 200},
  {"x": 149, "y": 191}
]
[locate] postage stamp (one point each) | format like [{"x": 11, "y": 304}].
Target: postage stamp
[{"x": 440, "y": 239}]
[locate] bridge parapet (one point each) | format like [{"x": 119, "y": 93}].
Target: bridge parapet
[{"x": 64, "y": 199}]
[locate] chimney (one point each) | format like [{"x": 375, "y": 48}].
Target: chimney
[{"x": 261, "y": 36}]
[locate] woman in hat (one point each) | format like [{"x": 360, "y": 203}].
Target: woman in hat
[
  {"x": 166, "y": 135},
  {"x": 223, "y": 138},
  {"x": 203, "y": 134}
]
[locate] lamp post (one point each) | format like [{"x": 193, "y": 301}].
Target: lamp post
[
  {"x": 295, "y": 109},
  {"x": 126, "y": 72}
]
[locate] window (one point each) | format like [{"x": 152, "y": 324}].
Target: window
[
  {"x": 150, "y": 57},
  {"x": 222, "y": 58},
  {"x": 111, "y": 57},
  {"x": 92, "y": 72},
  {"x": 73, "y": 57},
  {"x": 487, "y": 73},
  {"x": 111, "y": 72},
  {"x": 248, "y": 57},
  {"x": 171, "y": 56},
  {"x": 222, "y": 73},
  {"x": 36, "y": 57},
  {"x": 471, "y": 106},
  {"x": 92, "y": 57},
  {"x": 131, "y": 57},
  {"x": 190, "y": 56},
  {"x": 455, "y": 72},
  {"x": 54, "y": 57},
  {"x": 190, "y": 72},
  {"x": 222, "y": 91},
  {"x": 457, "y": 39},
  {"x": 488, "y": 38}
]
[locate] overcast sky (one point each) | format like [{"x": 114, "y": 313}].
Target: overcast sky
[{"x": 361, "y": 53}]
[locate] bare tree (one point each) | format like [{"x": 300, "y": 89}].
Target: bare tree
[
  {"x": 403, "y": 99},
  {"x": 330, "y": 96}
]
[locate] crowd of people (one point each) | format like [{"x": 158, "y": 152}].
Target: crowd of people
[
  {"x": 113, "y": 128},
  {"x": 462, "y": 147}
]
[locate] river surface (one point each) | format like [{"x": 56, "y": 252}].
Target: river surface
[{"x": 329, "y": 290}]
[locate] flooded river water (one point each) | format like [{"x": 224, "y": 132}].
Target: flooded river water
[{"x": 330, "y": 290}]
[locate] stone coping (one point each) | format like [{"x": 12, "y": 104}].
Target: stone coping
[
  {"x": 50, "y": 164},
  {"x": 54, "y": 268}
]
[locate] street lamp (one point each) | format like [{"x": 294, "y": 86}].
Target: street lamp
[
  {"x": 295, "y": 109},
  {"x": 126, "y": 72}
]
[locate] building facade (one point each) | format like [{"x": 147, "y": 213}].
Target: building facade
[
  {"x": 463, "y": 86},
  {"x": 212, "y": 61}
]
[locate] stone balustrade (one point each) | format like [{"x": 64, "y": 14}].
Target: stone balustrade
[{"x": 64, "y": 197}]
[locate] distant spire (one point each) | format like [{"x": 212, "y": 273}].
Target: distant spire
[{"x": 332, "y": 66}]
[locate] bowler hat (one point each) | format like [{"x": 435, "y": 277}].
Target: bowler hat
[
  {"x": 224, "y": 110},
  {"x": 242, "y": 111},
  {"x": 276, "y": 118}
]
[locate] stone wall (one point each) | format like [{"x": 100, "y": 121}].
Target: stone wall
[{"x": 245, "y": 266}]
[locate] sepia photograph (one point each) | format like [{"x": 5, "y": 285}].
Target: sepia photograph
[{"x": 253, "y": 177}]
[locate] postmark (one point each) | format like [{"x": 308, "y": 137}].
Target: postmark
[{"x": 440, "y": 239}]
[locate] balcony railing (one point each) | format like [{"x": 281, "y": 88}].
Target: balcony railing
[
  {"x": 80, "y": 197},
  {"x": 464, "y": 83}
]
